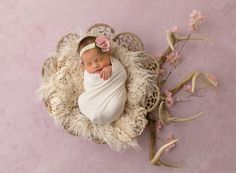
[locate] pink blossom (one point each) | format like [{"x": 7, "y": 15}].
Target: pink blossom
[
  {"x": 188, "y": 88},
  {"x": 103, "y": 43},
  {"x": 175, "y": 29},
  {"x": 212, "y": 78},
  {"x": 161, "y": 72},
  {"x": 169, "y": 99},
  {"x": 170, "y": 138},
  {"x": 172, "y": 57},
  {"x": 158, "y": 126},
  {"x": 196, "y": 18}
]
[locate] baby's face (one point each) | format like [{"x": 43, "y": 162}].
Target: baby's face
[{"x": 94, "y": 62}]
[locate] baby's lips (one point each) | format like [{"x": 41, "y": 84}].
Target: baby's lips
[{"x": 98, "y": 71}]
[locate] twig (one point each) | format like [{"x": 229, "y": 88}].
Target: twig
[{"x": 173, "y": 66}]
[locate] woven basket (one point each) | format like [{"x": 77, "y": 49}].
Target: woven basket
[{"x": 62, "y": 83}]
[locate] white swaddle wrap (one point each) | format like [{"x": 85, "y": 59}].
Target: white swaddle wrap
[{"x": 103, "y": 100}]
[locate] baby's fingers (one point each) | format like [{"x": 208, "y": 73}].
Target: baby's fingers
[
  {"x": 105, "y": 75},
  {"x": 101, "y": 73},
  {"x": 108, "y": 74}
]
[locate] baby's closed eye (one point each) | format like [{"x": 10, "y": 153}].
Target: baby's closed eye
[
  {"x": 88, "y": 64},
  {"x": 100, "y": 59}
]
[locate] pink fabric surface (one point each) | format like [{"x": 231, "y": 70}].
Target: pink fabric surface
[{"x": 31, "y": 142}]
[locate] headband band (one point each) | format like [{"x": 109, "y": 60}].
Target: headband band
[{"x": 90, "y": 46}]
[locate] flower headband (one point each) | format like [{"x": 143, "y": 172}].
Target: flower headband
[{"x": 102, "y": 42}]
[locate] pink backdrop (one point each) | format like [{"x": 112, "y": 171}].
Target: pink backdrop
[{"x": 31, "y": 142}]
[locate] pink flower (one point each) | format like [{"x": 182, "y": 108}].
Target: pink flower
[
  {"x": 170, "y": 138},
  {"x": 175, "y": 29},
  {"x": 196, "y": 18},
  {"x": 103, "y": 43},
  {"x": 188, "y": 88},
  {"x": 212, "y": 79},
  {"x": 169, "y": 99},
  {"x": 161, "y": 72},
  {"x": 158, "y": 126},
  {"x": 172, "y": 57}
]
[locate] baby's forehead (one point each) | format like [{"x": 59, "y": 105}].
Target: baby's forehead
[
  {"x": 90, "y": 54},
  {"x": 89, "y": 58}
]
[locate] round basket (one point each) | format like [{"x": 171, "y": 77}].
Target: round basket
[{"x": 62, "y": 83}]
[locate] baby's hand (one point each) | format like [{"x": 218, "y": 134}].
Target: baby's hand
[{"x": 106, "y": 72}]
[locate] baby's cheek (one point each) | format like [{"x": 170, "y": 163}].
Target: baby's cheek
[
  {"x": 103, "y": 64},
  {"x": 89, "y": 70}
]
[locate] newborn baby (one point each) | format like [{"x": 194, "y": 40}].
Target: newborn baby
[{"x": 104, "y": 81}]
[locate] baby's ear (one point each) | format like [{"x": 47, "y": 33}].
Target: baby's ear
[{"x": 81, "y": 62}]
